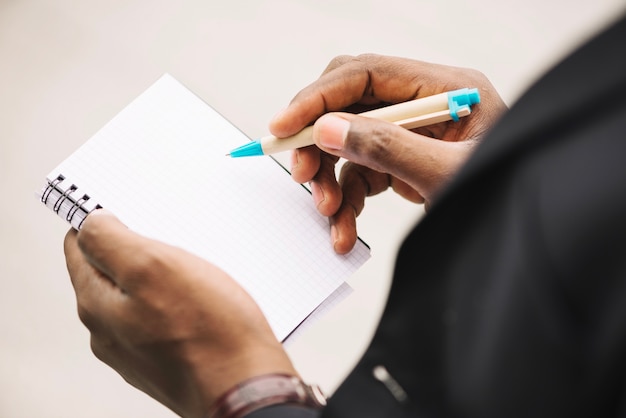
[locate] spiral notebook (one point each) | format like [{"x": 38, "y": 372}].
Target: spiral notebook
[{"x": 160, "y": 166}]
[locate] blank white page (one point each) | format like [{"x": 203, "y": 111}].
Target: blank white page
[{"x": 160, "y": 166}]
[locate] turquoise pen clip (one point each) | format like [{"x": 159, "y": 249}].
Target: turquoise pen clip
[
  {"x": 425, "y": 111},
  {"x": 461, "y": 99}
]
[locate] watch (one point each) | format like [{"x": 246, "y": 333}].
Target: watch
[{"x": 266, "y": 390}]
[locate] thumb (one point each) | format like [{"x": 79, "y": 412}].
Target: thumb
[
  {"x": 108, "y": 244},
  {"x": 422, "y": 162}
]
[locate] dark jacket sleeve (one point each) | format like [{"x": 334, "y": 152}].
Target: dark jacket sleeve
[
  {"x": 508, "y": 297},
  {"x": 284, "y": 411}
]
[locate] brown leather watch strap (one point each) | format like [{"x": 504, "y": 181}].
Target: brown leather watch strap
[{"x": 266, "y": 390}]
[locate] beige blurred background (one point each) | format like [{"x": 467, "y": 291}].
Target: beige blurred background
[{"x": 66, "y": 67}]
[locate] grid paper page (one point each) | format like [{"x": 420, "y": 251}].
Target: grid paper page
[{"x": 160, "y": 166}]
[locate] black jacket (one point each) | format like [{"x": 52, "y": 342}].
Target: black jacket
[{"x": 509, "y": 296}]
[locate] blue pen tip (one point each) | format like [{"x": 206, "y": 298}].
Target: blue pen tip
[{"x": 250, "y": 149}]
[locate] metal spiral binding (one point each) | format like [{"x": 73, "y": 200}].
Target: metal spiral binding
[
  {"x": 51, "y": 186},
  {"x": 79, "y": 207},
  {"x": 65, "y": 195},
  {"x": 75, "y": 207}
]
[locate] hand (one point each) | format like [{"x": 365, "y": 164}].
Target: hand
[
  {"x": 380, "y": 154},
  {"x": 173, "y": 325}
]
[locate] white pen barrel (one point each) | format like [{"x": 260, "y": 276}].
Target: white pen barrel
[
  {"x": 394, "y": 113},
  {"x": 272, "y": 145},
  {"x": 431, "y": 118},
  {"x": 405, "y": 110}
]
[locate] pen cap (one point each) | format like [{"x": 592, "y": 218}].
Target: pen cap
[{"x": 462, "y": 98}]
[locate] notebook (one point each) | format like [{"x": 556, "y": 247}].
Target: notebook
[{"x": 160, "y": 166}]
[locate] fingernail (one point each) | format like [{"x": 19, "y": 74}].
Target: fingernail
[
  {"x": 331, "y": 131},
  {"x": 317, "y": 193}
]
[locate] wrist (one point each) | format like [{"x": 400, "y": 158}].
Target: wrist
[{"x": 263, "y": 391}]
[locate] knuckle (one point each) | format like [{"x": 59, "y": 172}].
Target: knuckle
[
  {"x": 338, "y": 61},
  {"x": 85, "y": 315},
  {"x": 354, "y": 178},
  {"x": 341, "y": 59},
  {"x": 96, "y": 349},
  {"x": 369, "y": 140},
  {"x": 464, "y": 75},
  {"x": 358, "y": 63},
  {"x": 368, "y": 57},
  {"x": 101, "y": 348},
  {"x": 476, "y": 74},
  {"x": 475, "y": 77}
]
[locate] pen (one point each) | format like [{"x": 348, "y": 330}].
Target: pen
[{"x": 425, "y": 111}]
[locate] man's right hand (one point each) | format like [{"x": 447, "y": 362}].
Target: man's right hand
[{"x": 416, "y": 164}]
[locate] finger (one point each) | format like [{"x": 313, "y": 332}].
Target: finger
[
  {"x": 333, "y": 91},
  {"x": 77, "y": 266},
  {"x": 348, "y": 80},
  {"x": 375, "y": 79},
  {"x": 74, "y": 260},
  {"x": 423, "y": 163},
  {"x": 325, "y": 188},
  {"x": 120, "y": 254},
  {"x": 95, "y": 293},
  {"x": 343, "y": 231},
  {"x": 305, "y": 163},
  {"x": 358, "y": 182},
  {"x": 355, "y": 187},
  {"x": 311, "y": 166},
  {"x": 336, "y": 62},
  {"x": 406, "y": 191}
]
